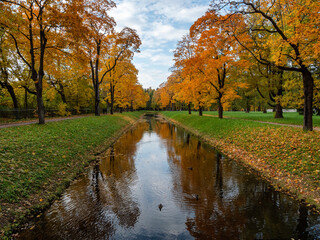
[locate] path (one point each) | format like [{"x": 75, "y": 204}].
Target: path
[{"x": 272, "y": 123}]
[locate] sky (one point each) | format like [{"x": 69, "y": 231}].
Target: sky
[{"x": 160, "y": 25}]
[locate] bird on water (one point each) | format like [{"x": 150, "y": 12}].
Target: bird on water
[{"x": 160, "y": 206}]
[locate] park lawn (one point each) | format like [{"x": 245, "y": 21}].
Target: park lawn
[
  {"x": 287, "y": 151},
  {"x": 289, "y": 117},
  {"x": 39, "y": 161}
]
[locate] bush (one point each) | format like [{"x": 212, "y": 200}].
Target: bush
[{"x": 62, "y": 110}]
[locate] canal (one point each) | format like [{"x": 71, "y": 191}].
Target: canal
[{"x": 160, "y": 182}]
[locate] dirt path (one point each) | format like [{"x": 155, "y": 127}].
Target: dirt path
[
  {"x": 14, "y": 124},
  {"x": 272, "y": 123}
]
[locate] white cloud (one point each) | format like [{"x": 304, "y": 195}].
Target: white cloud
[
  {"x": 188, "y": 15},
  {"x": 160, "y": 24},
  {"x": 155, "y": 56},
  {"x": 152, "y": 77},
  {"x": 161, "y": 31},
  {"x": 181, "y": 11},
  {"x": 127, "y": 14}
]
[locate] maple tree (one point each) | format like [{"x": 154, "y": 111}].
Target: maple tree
[
  {"x": 217, "y": 57},
  {"x": 60, "y": 45},
  {"x": 31, "y": 25},
  {"x": 94, "y": 31},
  {"x": 204, "y": 61},
  {"x": 100, "y": 44},
  {"x": 121, "y": 84},
  {"x": 182, "y": 55},
  {"x": 291, "y": 30}
]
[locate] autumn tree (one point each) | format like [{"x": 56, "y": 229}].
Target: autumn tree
[
  {"x": 132, "y": 95},
  {"x": 150, "y": 92},
  {"x": 183, "y": 54},
  {"x": 293, "y": 35},
  {"x": 96, "y": 28},
  {"x": 32, "y": 26},
  {"x": 120, "y": 79},
  {"x": 268, "y": 82},
  {"x": 98, "y": 41},
  {"x": 69, "y": 81},
  {"x": 217, "y": 57},
  {"x": 166, "y": 95}
]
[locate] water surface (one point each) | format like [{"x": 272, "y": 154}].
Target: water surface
[{"x": 202, "y": 195}]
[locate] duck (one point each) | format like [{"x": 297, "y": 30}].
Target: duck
[
  {"x": 160, "y": 206},
  {"x": 196, "y": 196}
]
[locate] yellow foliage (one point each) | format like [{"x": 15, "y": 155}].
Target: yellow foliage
[{"x": 62, "y": 110}]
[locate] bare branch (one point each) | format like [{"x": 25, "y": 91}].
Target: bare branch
[
  {"x": 29, "y": 91},
  {"x": 18, "y": 51}
]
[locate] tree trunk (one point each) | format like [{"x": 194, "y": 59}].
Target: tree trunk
[
  {"x": 200, "y": 111},
  {"x": 259, "y": 107},
  {"x": 62, "y": 94},
  {"x": 97, "y": 82},
  {"x": 38, "y": 82},
  {"x": 7, "y": 85},
  {"x": 248, "y": 106},
  {"x": 264, "y": 110},
  {"x": 111, "y": 107},
  {"x": 97, "y": 99},
  {"x": 112, "y": 100},
  {"x": 13, "y": 97},
  {"x": 40, "y": 102},
  {"x": 26, "y": 99},
  {"x": 14, "y": 100},
  {"x": 279, "y": 112},
  {"x": 10, "y": 89},
  {"x": 308, "y": 84},
  {"x": 189, "y": 108},
  {"x": 220, "y": 109}
]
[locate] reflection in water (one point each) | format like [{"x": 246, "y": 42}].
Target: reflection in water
[
  {"x": 219, "y": 181},
  {"x": 160, "y": 182}
]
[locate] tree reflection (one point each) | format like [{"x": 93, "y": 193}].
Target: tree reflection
[
  {"x": 88, "y": 208},
  {"x": 118, "y": 169},
  {"x": 232, "y": 204},
  {"x": 302, "y": 223},
  {"x": 219, "y": 180}
]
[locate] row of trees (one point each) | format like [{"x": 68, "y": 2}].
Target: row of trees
[
  {"x": 68, "y": 53},
  {"x": 248, "y": 49}
]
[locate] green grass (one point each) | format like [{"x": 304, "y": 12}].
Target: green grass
[
  {"x": 286, "y": 148},
  {"x": 36, "y": 160},
  {"x": 289, "y": 118}
]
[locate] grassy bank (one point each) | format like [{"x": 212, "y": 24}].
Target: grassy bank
[
  {"x": 286, "y": 156},
  {"x": 38, "y": 161},
  {"x": 289, "y": 118}
]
